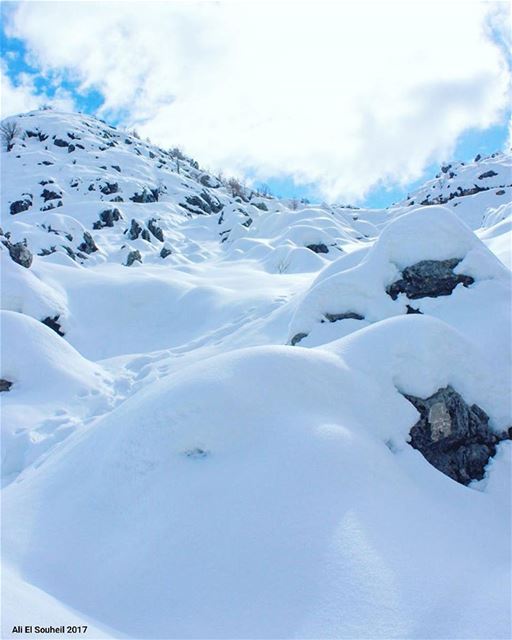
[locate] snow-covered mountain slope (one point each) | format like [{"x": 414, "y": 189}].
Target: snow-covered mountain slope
[{"x": 245, "y": 416}]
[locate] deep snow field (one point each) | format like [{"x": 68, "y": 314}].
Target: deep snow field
[{"x": 205, "y": 428}]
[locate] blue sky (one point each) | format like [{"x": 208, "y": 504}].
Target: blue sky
[{"x": 29, "y": 62}]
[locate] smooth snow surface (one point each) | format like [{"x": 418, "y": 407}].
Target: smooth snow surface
[{"x": 174, "y": 468}]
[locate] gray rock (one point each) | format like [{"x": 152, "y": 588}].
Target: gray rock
[
  {"x": 50, "y": 195},
  {"x": 19, "y": 253},
  {"x": 60, "y": 143},
  {"x": 297, "y": 338},
  {"x": 453, "y": 436},
  {"x": 88, "y": 245},
  {"x": 134, "y": 230},
  {"x": 53, "y": 323},
  {"x": 318, "y": 248},
  {"x": 429, "y": 279},
  {"x": 21, "y": 205},
  {"x": 109, "y": 188},
  {"x": 147, "y": 195},
  {"x": 133, "y": 256},
  {"x": 107, "y": 218},
  {"x": 349, "y": 315},
  {"x": 165, "y": 252},
  {"x": 5, "y": 385},
  {"x": 155, "y": 229},
  {"x": 487, "y": 174}
]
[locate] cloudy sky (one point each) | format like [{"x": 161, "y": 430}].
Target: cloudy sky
[{"x": 347, "y": 101}]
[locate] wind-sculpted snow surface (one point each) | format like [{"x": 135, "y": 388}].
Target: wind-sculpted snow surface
[{"x": 176, "y": 465}]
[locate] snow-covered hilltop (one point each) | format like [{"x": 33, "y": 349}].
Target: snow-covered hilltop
[{"x": 230, "y": 415}]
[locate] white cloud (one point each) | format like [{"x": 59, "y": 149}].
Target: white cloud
[
  {"x": 23, "y": 96},
  {"x": 344, "y": 95}
]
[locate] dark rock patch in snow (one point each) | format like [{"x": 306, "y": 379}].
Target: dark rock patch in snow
[
  {"x": 21, "y": 205},
  {"x": 5, "y": 385},
  {"x": 50, "y": 195},
  {"x": 165, "y": 252},
  {"x": 134, "y": 230},
  {"x": 349, "y": 315},
  {"x": 107, "y": 218},
  {"x": 88, "y": 245},
  {"x": 487, "y": 174},
  {"x": 60, "y": 143},
  {"x": 297, "y": 338},
  {"x": 453, "y": 436},
  {"x": 19, "y": 252},
  {"x": 429, "y": 279},
  {"x": 318, "y": 248},
  {"x": 53, "y": 323},
  {"x": 109, "y": 187},
  {"x": 147, "y": 195},
  {"x": 133, "y": 256},
  {"x": 155, "y": 229}
]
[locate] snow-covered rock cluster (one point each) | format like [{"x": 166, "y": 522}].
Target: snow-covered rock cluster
[{"x": 238, "y": 416}]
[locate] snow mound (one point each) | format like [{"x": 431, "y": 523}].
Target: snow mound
[
  {"x": 356, "y": 290},
  {"x": 303, "y": 449}
]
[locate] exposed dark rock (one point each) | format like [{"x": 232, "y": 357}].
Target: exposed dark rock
[
  {"x": 71, "y": 148},
  {"x": 202, "y": 204},
  {"x": 147, "y": 195},
  {"x": 349, "y": 315},
  {"x": 116, "y": 167},
  {"x": 19, "y": 252},
  {"x": 413, "y": 310},
  {"x": 145, "y": 235},
  {"x": 47, "y": 163},
  {"x": 47, "y": 252},
  {"x": 50, "y": 195},
  {"x": 487, "y": 174},
  {"x": 91, "y": 187},
  {"x": 501, "y": 192},
  {"x": 429, "y": 279},
  {"x": 88, "y": 245},
  {"x": 446, "y": 167},
  {"x": 454, "y": 437},
  {"x": 477, "y": 158},
  {"x": 247, "y": 223},
  {"x": 318, "y": 248},
  {"x": 165, "y": 252},
  {"x": 116, "y": 199},
  {"x": 155, "y": 229},
  {"x": 297, "y": 338},
  {"x": 134, "y": 230},
  {"x": 5, "y": 385},
  {"x": 109, "y": 187},
  {"x": 54, "y": 324},
  {"x": 260, "y": 205},
  {"x": 21, "y": 205},
  {"x": 132, "y": 257},
  {"x": 60, "y": 143},
  {"x": 107, "y": 218}
]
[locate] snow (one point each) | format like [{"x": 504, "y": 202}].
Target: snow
[{"x": 174, "y": 468}]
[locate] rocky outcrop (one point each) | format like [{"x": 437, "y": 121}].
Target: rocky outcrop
[
  {"x": 318, "y": 248},
  {"x": 53, "y": 323},
  {"x": 21, "y": 205},
  {"x": 165, "y": 252},
  {"x": 202, "y": 204},
  {"x": 429, "y": 279},
  {"x": 146, "y": 195},
  {"x": 155, "y": 229},
  {"x": 453, "y": 436},
  {"x": 133, "y": 256},
  {"x": 107, "y": 218},
  {"x": 134, "y": 230},
  {"x": 88, "y": 245},
  {"x": 349, "y": 315},
  {"x": 19, "y": 252},
  {"x": 5, "y": 385},
  {"x": 297, "y": 338}
]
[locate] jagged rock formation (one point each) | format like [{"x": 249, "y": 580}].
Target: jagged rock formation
[
  {"x": 453, "y": 436},
  {"x": 429, "y": 278}
]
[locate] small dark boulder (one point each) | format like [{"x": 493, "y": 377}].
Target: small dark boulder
[
  {"x": 165, "y": 251},
  {"x": 21, "y": 205},
  {"x": 53, "y": 323},
  {"x": 107, "y": 218},
  {"x": 318, "y": 248},
  {"x": 429, "y": 279},
  {"x": 297, "y": 338},
  {"x": 487, "y": 174},
  {"x": 109, "y": 187},
  {"x": 349, "y": 315},
  {"x": 88, "y": 245},
  {"x": 155, "y": 229},
  {"x": 147, "y": 195},
  {"x": 60, "y": 143},
  {"x": 19, "y": 252},
  {"x": 134, "y": 230},
  {"x": 5, "y": 385},
  {"x": 453, "y": 436},
  {"x": 133, "y": 256},
  {"x": 50, "y": 195}
]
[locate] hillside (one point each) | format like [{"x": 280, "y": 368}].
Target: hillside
[{"x": 229, "y": 415}]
